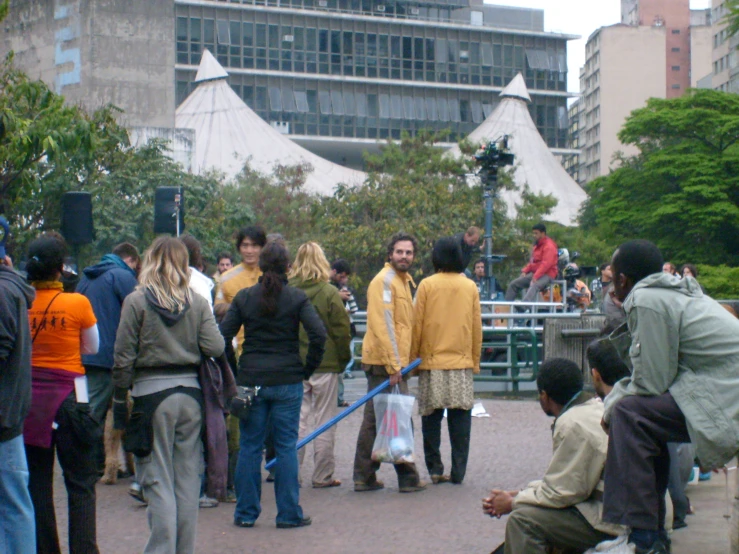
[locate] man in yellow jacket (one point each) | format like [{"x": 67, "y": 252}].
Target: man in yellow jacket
[{"x": 385, "y": 351}]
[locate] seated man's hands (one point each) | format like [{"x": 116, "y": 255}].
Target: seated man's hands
[{"x": 499, "y": 503}]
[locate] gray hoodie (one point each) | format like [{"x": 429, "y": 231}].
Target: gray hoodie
[
  {"x": 684, "y": 342},
  {"x": 16, "y": 298}
]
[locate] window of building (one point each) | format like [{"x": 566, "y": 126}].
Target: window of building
[
  {"x": 301, "y": 101},
  {"x": 676, "y": 68},
  {"x": 288, "y": 101},
  {"x": 337, "y": 102},
  {"x": 408, "y": 109},
  {"x": 431, "y": 112},
  {"x": 224, "y": 32},
  {"x": 324, "y": 100},
  {"x": 385, "y": 106},
  {"x": 676, "y": 31},
  {"x": 676, "y": 49},
  {"x": 420, "y": 108},
  {"x": 349, "y": 104},
  {"x": 476, "y": 107},
  {"x": 396, "y": 107},
  {"x": 275, "y": 102},
  {"x": 443, "y": 109},
  {"x": 675, "y": 86}
]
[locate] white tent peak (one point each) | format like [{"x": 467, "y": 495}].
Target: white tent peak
[
  {"x": 209, "y": 69},
  {"x": 535, "y": 165},
  {"x": 516, "y": 89},
  {"x": 228, "y": 133}
]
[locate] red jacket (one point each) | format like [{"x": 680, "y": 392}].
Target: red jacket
[{"x": 543, "y": 260}]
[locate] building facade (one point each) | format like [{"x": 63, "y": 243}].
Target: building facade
[
  {"x": 339, "y": 75},
  {"x": 725, "y": 71},
  {"x": 334, "y": 75},
  {"x": 658, "y": 51}
]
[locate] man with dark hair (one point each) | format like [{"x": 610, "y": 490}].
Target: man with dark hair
[
  {"x": 684, "y": 353},
  {"x": 106, "y": 285},
  {"x": 563, "y": 510},
  {"x": 249, "y": 242},
  {"x": 468, "y": 243},
  {"x": 340, "y": 271},
  {"x": 385, "y": 351},
  {"x": 17, "y": 523},
  {"x": 541, "y": 269},
  {"x": 224, "y": 262},
  {"x": 606, "y": 366}
]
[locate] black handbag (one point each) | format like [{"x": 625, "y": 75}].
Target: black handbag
[{"x": 242, "y": 402}]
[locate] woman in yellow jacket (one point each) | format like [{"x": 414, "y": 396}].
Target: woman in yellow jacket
[{"x": 447, "y": 336}]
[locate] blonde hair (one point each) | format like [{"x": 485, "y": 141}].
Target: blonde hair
[
  {"x": 165, "y": 273},
  {"x": 310, "y": 263}
]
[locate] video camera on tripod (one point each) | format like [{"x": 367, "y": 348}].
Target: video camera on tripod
[
  {"x": 490, "y": 159},
  {"x": 569, "y": 271}
]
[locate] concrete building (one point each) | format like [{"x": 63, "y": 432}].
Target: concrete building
[
  {"x": 658, "y": 51},
  {"x": 725, "y": 69},
  {"x": 701, "y": 45},
  {"x": 335, "y": 76}
]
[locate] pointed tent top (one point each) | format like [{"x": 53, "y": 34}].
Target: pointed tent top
[
  {"x": 515, "y": 89},
  {"x": 209, "y": 69}
]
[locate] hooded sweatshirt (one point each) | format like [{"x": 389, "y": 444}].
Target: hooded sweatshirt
[
  {"x": 157, "y": 349},
  {"x": 16, "y": 297},
  {"x": 682, "y": 341},
  {"x": 106, "y": 285}
]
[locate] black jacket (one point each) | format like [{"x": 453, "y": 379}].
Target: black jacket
[
  {"x": 270, "y": 353},
  {"x": 16, "y": 298}
]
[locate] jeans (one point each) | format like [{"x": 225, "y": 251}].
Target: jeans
[
  {"x": 527, "y": 282},
  {"x": 280, "y": 405},
  {"x": 17, "y": 525}
]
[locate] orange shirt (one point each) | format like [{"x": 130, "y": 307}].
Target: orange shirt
[{"x": 57, "y": 344}]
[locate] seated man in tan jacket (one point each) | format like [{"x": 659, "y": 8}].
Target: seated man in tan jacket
[{"x": 563, "y": 510}]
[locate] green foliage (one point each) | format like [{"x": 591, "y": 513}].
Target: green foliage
[
  {"x": 682, "y": 190},
  {"x": 721, "y": 282},
  {"x": 413, "y": 187}
]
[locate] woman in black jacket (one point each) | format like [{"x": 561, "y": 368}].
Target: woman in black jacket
[{"x": 271, "y": 313}]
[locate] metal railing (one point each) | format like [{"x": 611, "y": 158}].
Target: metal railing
[{"x": 512, "y": 341}]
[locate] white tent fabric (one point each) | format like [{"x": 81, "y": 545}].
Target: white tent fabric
[
  {"x": 535, "y": 164},
  {"x": 228, "y": 133}
]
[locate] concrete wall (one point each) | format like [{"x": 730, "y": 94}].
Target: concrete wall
[
  {"x": 701, "y": 53},
  {"x": 96, "y": 52},
  {"x": 181, "y": 142},
  {"x": 632, "y": 70}
]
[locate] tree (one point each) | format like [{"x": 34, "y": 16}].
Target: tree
[
  {"x": 413, "y": 186},
  {"x": 682, "y": 189}
]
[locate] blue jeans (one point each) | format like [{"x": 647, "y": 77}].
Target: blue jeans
[
  {"x": 280, "y": 405},
  {"x": 17, "y": 524}
]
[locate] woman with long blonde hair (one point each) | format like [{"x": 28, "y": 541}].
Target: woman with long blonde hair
[
  {"x": 164, "y": 332},
  {"x": 311, "y": 272}
]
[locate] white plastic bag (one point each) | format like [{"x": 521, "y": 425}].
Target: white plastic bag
[{"x": 394, "y": 441}]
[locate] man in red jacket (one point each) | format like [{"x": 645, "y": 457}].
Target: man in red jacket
[{"x": 541, "y": 269}]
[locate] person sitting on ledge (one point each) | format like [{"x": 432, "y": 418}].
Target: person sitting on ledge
[{"x": 563, "y": 510}]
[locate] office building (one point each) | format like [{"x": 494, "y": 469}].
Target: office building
[
  {"x": 725, "y": 70},
  {"x": 335, "y": 76}
]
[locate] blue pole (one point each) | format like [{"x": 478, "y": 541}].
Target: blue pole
[{"x": 366, "y": 398}]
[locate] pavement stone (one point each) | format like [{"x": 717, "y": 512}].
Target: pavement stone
[{"x": 508, "y": 449}]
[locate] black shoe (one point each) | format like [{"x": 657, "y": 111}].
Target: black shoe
[
  {"x": 243, "y": 523},
  {"x": 305, "y": 522},
  {"x": 271, "y": 477},
  {"x": 658, "y": 547}
]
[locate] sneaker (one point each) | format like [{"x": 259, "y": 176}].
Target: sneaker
[
  {"x": 207, "y": 502},
  {"x": 420, "y": 486},
  {"x": 305, "y": 522},
  {"x": 348, "y": 375},
  {"x": 230, "y": 496},
  {"x": 438, "y": 479},
  {"x": 366, "y": 487},
  {"x": 135, "y": 492}
]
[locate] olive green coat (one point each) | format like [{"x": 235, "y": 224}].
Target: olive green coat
[{"x": 327, "y": 302}]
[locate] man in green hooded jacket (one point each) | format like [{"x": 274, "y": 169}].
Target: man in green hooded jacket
[{"x": 683, "y": 348}]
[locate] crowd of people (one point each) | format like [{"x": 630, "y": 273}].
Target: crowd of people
[{"x": 159, "y": 348}]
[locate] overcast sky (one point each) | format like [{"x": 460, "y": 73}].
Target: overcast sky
[{"x": 578, "y": 17}]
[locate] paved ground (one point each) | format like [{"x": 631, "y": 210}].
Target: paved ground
[{"x": 508, "y": 449}]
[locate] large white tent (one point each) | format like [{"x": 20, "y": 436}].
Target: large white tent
[
  {"x": 535, "y": 164},
  {"x": 228, "y": 133}
]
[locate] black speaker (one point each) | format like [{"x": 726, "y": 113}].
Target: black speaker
[
  {"x": 77, "y": 218},
  {"x": 169, "y": 207}
]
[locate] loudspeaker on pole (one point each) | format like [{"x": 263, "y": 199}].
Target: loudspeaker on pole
[
  {"x": 169, "y": 210},
  {"x": 77, "y": 227}
]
